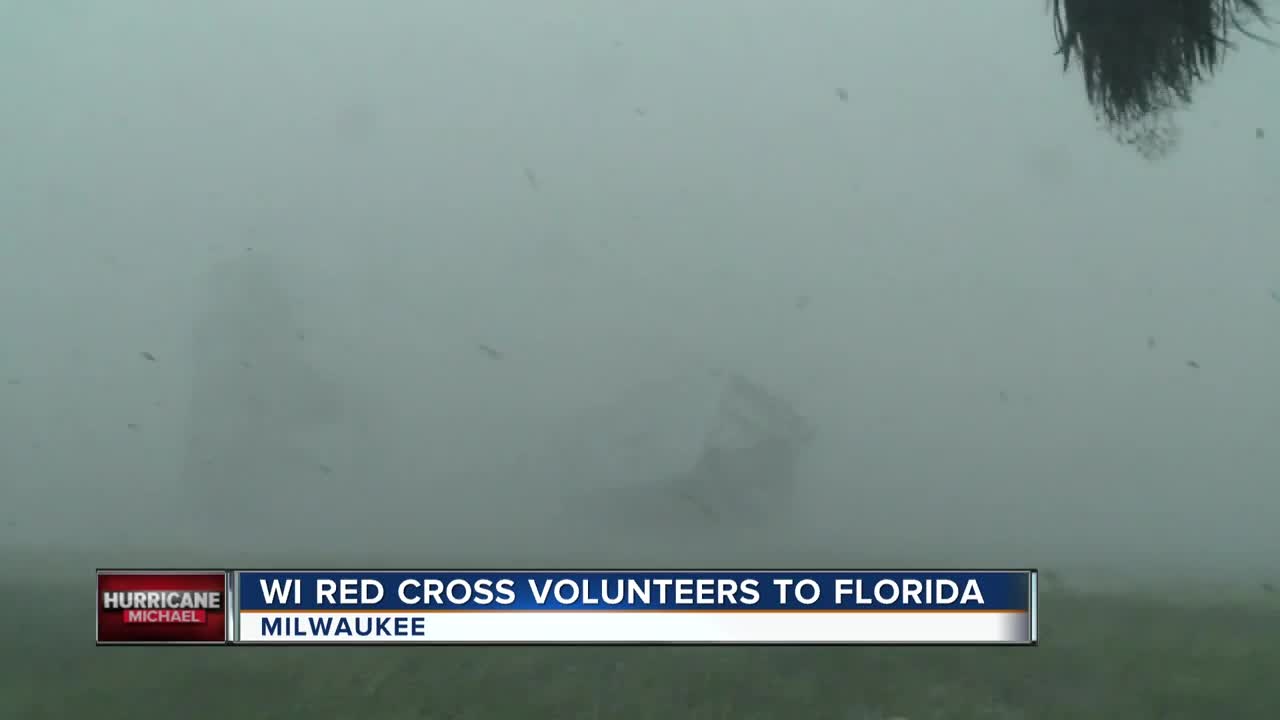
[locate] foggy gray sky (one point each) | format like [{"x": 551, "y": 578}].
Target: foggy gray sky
[{"x": 960, "y": 226}]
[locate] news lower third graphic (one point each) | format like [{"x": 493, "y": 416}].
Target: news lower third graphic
[
  {"x": 615, "y": 607},
  {"x": 567, "y": 607},
  {"x": 162, "y": 607}
]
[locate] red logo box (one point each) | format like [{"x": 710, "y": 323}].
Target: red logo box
[{"x": 162, "y": 607}]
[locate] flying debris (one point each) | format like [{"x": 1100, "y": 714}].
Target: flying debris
[
  {"x": 1151, "y": 342},
  {"x": 1259, "y": 133},
  {"x": 133, "y": 426},
  {"x": 532, "y": 178},
  {"x": 1275, "y": 295},
  {"x": 147, "y": 356},
  {"x": 843, "y": 94},
  {"x": 492, "y": 352},
  {"x": 1193, "y": 364},
  {"x": 802, "y": 302}
]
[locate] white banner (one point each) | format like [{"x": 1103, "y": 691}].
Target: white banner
[{"x": 656, "y": 627}]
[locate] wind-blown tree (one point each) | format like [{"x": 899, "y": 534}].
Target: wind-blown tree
[{"x": 1142, "y": 60}]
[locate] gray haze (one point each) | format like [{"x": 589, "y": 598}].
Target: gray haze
[{"x": 610, "y": 194}]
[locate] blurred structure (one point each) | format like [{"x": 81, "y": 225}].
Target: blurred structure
[
  {"x": 746, "y": 471},
  {"x": 711, "y": 453},
  {"x": 252, "y": 389}
]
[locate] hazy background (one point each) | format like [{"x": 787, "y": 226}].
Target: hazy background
[{"x": 610, "y": 193}]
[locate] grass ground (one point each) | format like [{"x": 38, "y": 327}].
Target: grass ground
[{"x": 1101, "y": 657}]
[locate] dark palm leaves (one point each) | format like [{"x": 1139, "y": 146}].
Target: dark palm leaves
[{"x": 1142, "y": 59}]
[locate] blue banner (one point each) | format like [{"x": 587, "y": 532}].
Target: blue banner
[{"x": 617, "y": 590}]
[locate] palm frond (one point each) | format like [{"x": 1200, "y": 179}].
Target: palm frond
[{"x": 1141, "y": 60}]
